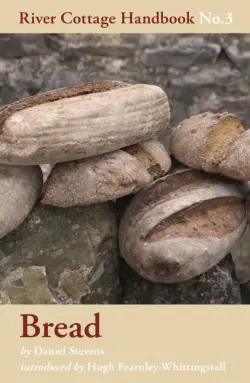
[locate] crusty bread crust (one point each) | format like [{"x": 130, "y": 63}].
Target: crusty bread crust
[
  {"x": 215, "y": 143},
  {"x": 182, "y": 225},
  {"x": 79, "y": 122},
  {"x": 106, "y": 177}
]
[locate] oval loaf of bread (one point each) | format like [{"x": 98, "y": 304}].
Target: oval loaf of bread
[
  {"x": 106, "y": 177},
  {"x": 182, "y": 225},
  {"x": 216, "y": 143},
  {"x": 20, "y": 188},
  {"x": 81, "y": 121}
]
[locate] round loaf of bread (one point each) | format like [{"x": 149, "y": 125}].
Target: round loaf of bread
[
  {"x": 215, "y": 143},
  {"x": 20, "y": 188},
  {"x": 80, "y": 121},
  {"x": 182, "y": 225},
  {"x": 106, "y": 177}
]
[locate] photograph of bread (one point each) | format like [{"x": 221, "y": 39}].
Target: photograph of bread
[{"x": 124, "y": 168}]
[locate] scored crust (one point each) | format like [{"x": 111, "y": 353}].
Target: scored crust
[
  {"x": 201, "y": 220},
  {"x": 208, "y": 140},
  {"x": 182, "y": 225},
  {"x": 105, "y": 177},
  {"x": 105, "y": 117},
  {"x": 58, "y": 94}
]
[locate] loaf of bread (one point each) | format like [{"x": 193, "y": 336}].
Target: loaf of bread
[
  {"x": 215, "y": 143},
  {"x": 182, "y": 225},
  {"x": 20, "y": 188},
  {"x": 106, "y": 177},
  {"x": 80, "y": 121}
]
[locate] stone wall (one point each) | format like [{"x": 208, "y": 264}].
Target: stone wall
[{"x": 198, "y": 72}]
